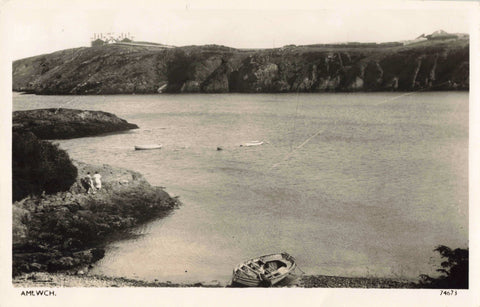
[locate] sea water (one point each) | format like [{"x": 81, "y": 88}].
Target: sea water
[{"x": 361, "y": 184}]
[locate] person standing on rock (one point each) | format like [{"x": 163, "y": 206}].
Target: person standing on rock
[
  {"x": 87, "y": 183},
  {"x": 97, "y": 178}
]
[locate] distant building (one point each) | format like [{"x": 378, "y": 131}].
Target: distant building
[
  {"x": 441, "y": 35},
  {"x": 437, "y": 35},
  {"x": 97, "y": 42},
  {"x": 100, "y": 39}
]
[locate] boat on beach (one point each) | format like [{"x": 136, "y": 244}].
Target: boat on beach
[
  {"x": 265, "y": 270},
  {"x": 148, "y": 146}
]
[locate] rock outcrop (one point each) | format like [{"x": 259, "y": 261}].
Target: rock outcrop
[
  {"x": 66, "y": 227},
  {"x": 67, "y": 123},
  {"x": 68, "y": 230},
  {"x": 122, "y": 69}
]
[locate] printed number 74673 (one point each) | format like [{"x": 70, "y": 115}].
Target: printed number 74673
[{"x": 448, "y": 292}]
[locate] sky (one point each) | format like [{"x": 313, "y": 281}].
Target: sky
[{"x": 42, "y": 27}]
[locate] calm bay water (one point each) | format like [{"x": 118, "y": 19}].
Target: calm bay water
[{"x": 350, "y": 184}]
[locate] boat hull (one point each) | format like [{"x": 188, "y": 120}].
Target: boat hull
[
  {"x": 259, "y": 272},
  {"x": 253, "y": 143},
  {"x": 148, "y": 147}
]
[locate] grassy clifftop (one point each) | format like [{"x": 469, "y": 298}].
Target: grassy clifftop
[{"x": 124, "y": 69}]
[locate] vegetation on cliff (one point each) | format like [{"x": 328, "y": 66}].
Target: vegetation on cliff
[
  {"x": 39, "y": 166},
  {"x": 121, "y": 69},
  {"x": 454, "y": 270}
]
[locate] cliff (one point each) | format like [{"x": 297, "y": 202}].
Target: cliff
[
  {"x": 126, "y": 69},
  {"x": 67, "y": 123}
]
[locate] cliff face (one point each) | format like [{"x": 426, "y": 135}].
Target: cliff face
[
  {"x": 67, "y": 123},
  {"x": 117, "y": 69}
]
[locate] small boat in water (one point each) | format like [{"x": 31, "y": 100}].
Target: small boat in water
[
  {"x": 266, "y": 270},
  {"x": 252, "y": 143},
  {"x": 148, "y": 146}
]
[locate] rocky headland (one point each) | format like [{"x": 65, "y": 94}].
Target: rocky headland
[
  {"x": 68, "y": 230},
  {"x": 61, "y": 123},
  {"x": 57, "y": 225},
  {"x": 436, "y": 63}
]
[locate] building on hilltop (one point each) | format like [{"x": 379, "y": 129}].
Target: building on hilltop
[
  {"x": 97, "y": 42},
  {"x": 100, "y": 39},
  {"x": 437, "y": 35},
  {"x": 441, "y": 35}
]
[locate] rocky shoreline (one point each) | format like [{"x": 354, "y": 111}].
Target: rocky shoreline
[
  {"x": 57, "y": 225},
  {"x": 55, "y": 280},
  {"x": 68, "y": 230},
  {"x": 84, "y": 280}
]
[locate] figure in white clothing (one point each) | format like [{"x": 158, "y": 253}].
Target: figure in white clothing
[
  {"x": 87, "y": 183},
  {"x": 97, "y": 180}
]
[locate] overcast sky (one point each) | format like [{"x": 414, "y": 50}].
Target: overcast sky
[{"x": 35, "y": 28}]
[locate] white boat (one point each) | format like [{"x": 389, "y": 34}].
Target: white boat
[
  {"x": 252, "y": 143},
  {"x": 266, "y": 270},
  {"x": 148, "y": 146}
]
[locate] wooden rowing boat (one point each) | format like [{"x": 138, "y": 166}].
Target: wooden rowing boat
[
  {"x": 148, "y": 146},
  {"x": 266, "y": 270}
]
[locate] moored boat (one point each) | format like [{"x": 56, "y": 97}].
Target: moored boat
[
  {"x": 266, "y": 270},
  {"x": 252, "y": 143},
  {"x": 148, "y": 146}
]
